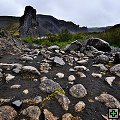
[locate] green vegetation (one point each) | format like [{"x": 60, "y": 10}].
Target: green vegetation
[
  {"x": 53, "y": 94},
  {"x": 112, "y": 36},
  {"x": 61, "y": 39}
]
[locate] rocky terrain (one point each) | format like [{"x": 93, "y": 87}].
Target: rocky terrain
[{"x": 79, "y": 82}]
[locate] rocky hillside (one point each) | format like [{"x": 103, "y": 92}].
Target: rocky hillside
[{"x": 79, "y": 82}]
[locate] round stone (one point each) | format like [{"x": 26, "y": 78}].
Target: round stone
[{"x": 78, "y": 91}]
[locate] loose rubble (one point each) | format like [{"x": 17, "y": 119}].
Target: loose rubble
[{"x": 52, "y": 83}]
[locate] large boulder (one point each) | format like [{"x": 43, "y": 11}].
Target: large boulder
[
  {"x": 28, "y": 23},
  {"x": 74, "y": 46},
  {"x": 99, "y": 44}
]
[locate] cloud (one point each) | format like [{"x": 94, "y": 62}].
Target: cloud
[{"x": 82, "y": 12}]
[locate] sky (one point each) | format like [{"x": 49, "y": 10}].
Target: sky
[{"x": 90, "y": 13}]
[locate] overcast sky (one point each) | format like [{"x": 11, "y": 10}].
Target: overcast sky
[{"x": 89, "y": 13}]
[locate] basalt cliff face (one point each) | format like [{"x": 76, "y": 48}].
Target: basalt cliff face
[
  {"x": 28, "y": 23},
  {"x": 40, "y": 25}
]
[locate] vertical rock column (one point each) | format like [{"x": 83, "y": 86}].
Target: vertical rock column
[{"x": 28, "y": 23}]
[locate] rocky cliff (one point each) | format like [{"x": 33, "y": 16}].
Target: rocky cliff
[
  {"x": 37, "y": 24},
  {"x": 28, "y": 23}
]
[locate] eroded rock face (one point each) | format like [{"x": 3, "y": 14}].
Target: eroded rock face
[
  {"x": 7, "y": 113},
  {"x": 99, "y": 44},
  {"x": 28, "y": 23}
]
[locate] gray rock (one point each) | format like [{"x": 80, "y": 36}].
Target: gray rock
[
  {"x": 9, "y": 77},
  {"x": 54, "y": 47},
  {"x": 110, "y": 80},
  {"x": 97, "y": 75},
  {"x": 76, "y": 46},
  {"x": 63, "y": 100},
  {"x": 71, "y": 78},
  {"x": 33, "y": 112},
  {"x": 27, "y": 58},
  {"x": 69, "y": 116},
  {"x": 17, "y": 68},
  {"x": 82, "y": 62},
  {"x": 1, "y": 75},
  {"x": 81, "y": 68},
  {"x": 49, "y": 86},
  {"x": 34, "y": 101},
  {"x": 82, "y": 75},
  {"x": 0, "y": 70},
  {"x": 17, "y": 103},
  {"x": 59, "y": 60},
  {"x": 49, "y": 116},
  {"x": 14, "y": 67},
  {"x": 109, "y": 100},
  {"x": 101, "y": 66},
  {"x": 7, "y": 113},
  {"x": 115, "y": 69},
  {"x": 117, "y": 58},
  {"x": 60, "y": 75},
  {"x": 30, "y": 69},
  {"x": 15, "y": 86},
  {"x": 3, "y": 100},
  {"x": 102, "y": 59},
  {"x": 99, "y": 44},
  {"x": 78, "y": 91},
  {"x": 44, "y": 67},
  {"x": 79, "y": 106}
]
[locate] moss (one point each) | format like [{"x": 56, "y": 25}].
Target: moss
[{"x": 53, "y": 94}]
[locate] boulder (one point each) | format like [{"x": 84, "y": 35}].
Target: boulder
[
  {"x": 117, "y": 58},
  {"x": 99, "y": 44},
  {"x": 74, "y": 46}
]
